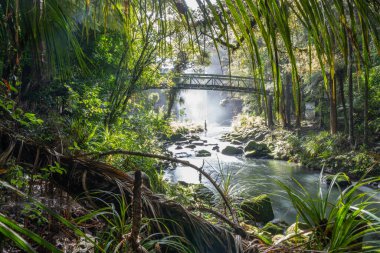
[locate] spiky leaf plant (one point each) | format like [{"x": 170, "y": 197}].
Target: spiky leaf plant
[{"x": 345, "y": 223}]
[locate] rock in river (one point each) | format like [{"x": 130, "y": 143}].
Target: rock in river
[
  {"x": 198, "y": 143},
  {"x": 258, "y": 209},
  {"x": 202, "y": 153},
  {"x": 231, "y": 150},
  {"x": 256, "y": 150}
]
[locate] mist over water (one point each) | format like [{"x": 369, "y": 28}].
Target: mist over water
[{"x": 198, "y": 106}]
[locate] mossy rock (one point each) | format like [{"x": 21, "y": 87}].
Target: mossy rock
[
  {"x": 257, "y": 154},
  {"x": 197, "y": 143},
  {"x": 253, "y": 145},
  {"x": 202, "y": 153},
  {"x": 231, "y": 150},
  {"x": 256, "y": 150},
  {"x": 250, "y": 229},
  {"x": 272, "y": 228},
  {"x": 236, "y": 142},
  {"x": 342, "y": 180},
  {"x": 296, "y": 228},
  {"x": 177, "y": 137},
  {"x": 258, "y": 209},
  {"x": 195, "y": 138},
  {"x": 203, "y": 193},
  {"x": 191, "y": 146}
]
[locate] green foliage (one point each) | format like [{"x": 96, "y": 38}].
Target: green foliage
[
  {"x": 338, "y": 224},
  {"x": 13, "y": 231},
  {"x": 333, "y": 152},
  {"x": 52, "y": 169},
  {"x": 10, "y": 109},
  {"x": 114, "y": 237},
  {"x": 20, "y": 235},
  {"x": 16, "y": 176}
]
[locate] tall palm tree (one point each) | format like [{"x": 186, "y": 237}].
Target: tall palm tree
[{"x": 328, "y": 24}]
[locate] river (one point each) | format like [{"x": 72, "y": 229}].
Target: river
[{"x": 250, "y": 177}]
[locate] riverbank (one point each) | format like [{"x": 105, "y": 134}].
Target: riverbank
[
  {"x": 247, "y": 180},
  {"x": 310, "y": 147}
]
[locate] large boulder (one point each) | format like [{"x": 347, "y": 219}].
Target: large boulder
[
  {"x": 202, "y": 153},
  {"x": 258, "y": 209},
  {"x": 254, "y": 149}
]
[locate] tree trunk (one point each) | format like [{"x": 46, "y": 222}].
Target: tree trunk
[
  {"x": 171, "y": 99},
  {"x": 333, "y": 112},
  {"x": 340, "y": 78},
  {"x": 350, "y": 101},
  {"x": 365, "y": 108},
  {"x": 288, "y": 99},
  {"x": 270, "y": 111},
  {"x": 321, "y": 108},
  {"x": 134, "y": 238}
]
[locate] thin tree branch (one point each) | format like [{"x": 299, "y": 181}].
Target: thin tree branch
[{"x": 171, "y": 159}]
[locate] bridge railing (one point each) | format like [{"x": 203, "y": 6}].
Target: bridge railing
[{"x": 214, "y": 82}]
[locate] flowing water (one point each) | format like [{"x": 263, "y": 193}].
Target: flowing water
[{"x": 252, "y": 176}]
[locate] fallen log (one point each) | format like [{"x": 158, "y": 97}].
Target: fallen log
[{"x": 85, "y": 175}]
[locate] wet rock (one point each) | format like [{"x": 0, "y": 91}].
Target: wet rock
[
  {"x": 236, "y": 142},
  {"x": 202, "y": 153},
  {"x": 180, "y": 143},
  {"x": 191, "y": 146},
  {"x": 177, "y": 137},
  {"x": 197, "y": 143},
  {"x": 182, "y": 155},
  {"x": 195, "y": 138},
  {"x": 231, "y": 150},
  {"x": 250, "y": 228},
  {"x": 256, "y": 150},
  {"x": 258, "y": 209},
  {"x": 216, "y": 148},
  {"x": 178, "y": 147},
  {"x": 272, "y": 228},
  {"x": 253, "y": 145},
  {"x": 260, "y": 136},
  {"x": 257, "y": 154}
]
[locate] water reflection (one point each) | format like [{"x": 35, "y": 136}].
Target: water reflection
[{"x": 255, "y": 176}]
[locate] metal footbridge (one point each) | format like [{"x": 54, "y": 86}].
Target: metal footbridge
[{"x": 212, "y": 82}]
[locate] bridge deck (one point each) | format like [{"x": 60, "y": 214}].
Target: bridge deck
[{"x": 214, "y": 82}]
